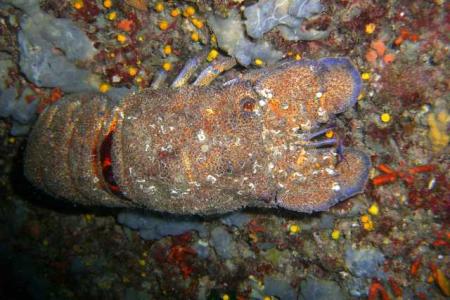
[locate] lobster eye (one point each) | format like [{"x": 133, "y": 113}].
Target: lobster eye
[{"x": 248, "y": 106}]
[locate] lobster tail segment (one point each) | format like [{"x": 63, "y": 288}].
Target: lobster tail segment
[{"x": 67, "y": 151}]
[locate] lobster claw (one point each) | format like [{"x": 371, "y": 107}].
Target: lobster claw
[{"x": 326, "y": 186}]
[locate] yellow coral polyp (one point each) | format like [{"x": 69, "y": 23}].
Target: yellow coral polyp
[
  {"x": 104, "y": 87},
  {"x": 213, "y": 39},
  {"x": 438, "y": 130},
  {"x": 175, "y": 12},
  {"x": 167, "y": 66},
  {"x": 195, "y": 36},
  {"x": 189, "y": 11},
  {"x": 111, "y": 16},
  {"x": 259, "y": 62},
  {"x": 167, "y": 50},
  {"x": 374, "y": 210},
  {"x": 132, "y": 71},
  {"x": 370, "y": 28},
  {"x": 368, "y": 226},
  {"x": 212, "y": 55},
  {"x": 121, "y": 38},
  {"x": 159, "y": 7},
  {"x": 163, "y": 25},
  {"x": 385, "y": 117},
  {"x": 107, "y": 3},
  {"x": 365, "y": 76},
  {"x": 197, "y": 23},
  {"x": 78, "y": 4},
  {"x": 365, "y": 218},
  {"x": 336, "y": 234},
  {"x": 329, "y": 134},
  {"x": 367, "y": 222},
  {"x": 294, "y": 229}
]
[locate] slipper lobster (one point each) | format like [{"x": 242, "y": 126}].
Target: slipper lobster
[{"x": 205, "y": 148}]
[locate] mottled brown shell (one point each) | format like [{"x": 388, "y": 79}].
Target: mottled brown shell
[{"x": 200, "y": 150}]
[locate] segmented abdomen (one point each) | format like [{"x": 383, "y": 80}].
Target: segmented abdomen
[{"x": 67, "y": 152}]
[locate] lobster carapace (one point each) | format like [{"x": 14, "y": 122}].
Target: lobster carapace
[{"x": 201, "y": 148}]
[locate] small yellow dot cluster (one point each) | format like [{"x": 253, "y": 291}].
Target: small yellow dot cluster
[
  {"x": 163, "y": 25},
  {"x": 213, "y": 39},
  {"x": 374, "y": 210},
  {"x": 212, "y": 55},
  {"x": 132, "y": 71},
  {"x": 111, "y": 16},
  {"x": 167, "y": 50},
  {"x": 335, "y": 234},
  {"x": 329, "y": 134},
  {"x": 78, "y": 4},
  {"x": 107, "y": 3},
  {"x": 159, "y": 7},
  {"x": 189, "y": 11},
  {"x": 365, "y": 76},
  {"x": 367, "y": 222},
  {"x": 370, "y": 28},
  {"x": 294, "y": 229},
  {"x": 104, "y": 87},
  {"x": 121, "y": 38},
  {"x": 175, "y": 12},
  {"x": 385, "y": 117},
  {"x": 195, "y": 37},
  {"x": 258, "y": 62},
  {"x": 197, "y": 23},
  {"x": 167, "y": 66}
]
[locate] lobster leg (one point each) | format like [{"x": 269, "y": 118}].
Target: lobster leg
[
  {"x": 323, "y": 143},
  {"x": 158, "y": 80},
  {"x": 214, "y": 69},
  {"x": 188, "y": 70}
]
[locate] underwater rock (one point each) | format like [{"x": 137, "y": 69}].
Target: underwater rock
[
  {"x": 19, "y": 110},
  {"x": 51, "y": 47},
  {"x": 320, "y": 289},
  {"x": 12, "y": 105},
  {"x": 152, "y": 227},
  {"x": 365, "y": 263},
  {"x": 231, "y": 38},
  {"x": 237, "y": 219},
  {"x": 289, "y": 15},
  {"x": 223, "y": 243},
  {"x": 279, "y": 288}
]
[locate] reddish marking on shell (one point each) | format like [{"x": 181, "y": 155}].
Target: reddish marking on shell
[{"x": 106, "y": 160}]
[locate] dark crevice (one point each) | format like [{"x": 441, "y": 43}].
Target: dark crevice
[{"x": 106, "y": 163}]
